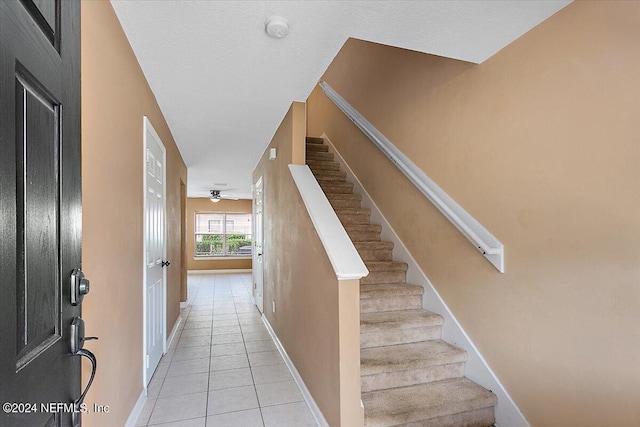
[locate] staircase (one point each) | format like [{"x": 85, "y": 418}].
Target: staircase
[{"x": 410, "y": 376}]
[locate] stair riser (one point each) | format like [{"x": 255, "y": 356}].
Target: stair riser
[
  {"x": 315, "y": 155},
  {"x": 482, "y": 417},
  {"x": 323, "y": 166},
  {"x": 314, "y": 140},
  {"x": 330, "y": 178},
  {"x": 411, "y": 377},
  {"x": 399, "y": 336},
  {"x": 383, "y": 277},
  {"x": 336, "y": 187},
  {"x": 408, "y": 302},
  {"x": 364, "y": 236},
  {"x": 348, "y": 218},
  {"x": 376, "y": 254},
  {"x": 328, "y": 173},
  {"x": 317, "y": 148},
  {"x": 345, "y": 204}
]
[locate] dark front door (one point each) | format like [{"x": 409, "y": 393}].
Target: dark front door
[{"x": 40, "y": 209}]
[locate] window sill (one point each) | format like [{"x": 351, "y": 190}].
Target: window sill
[{"x": 219, "y": 258}]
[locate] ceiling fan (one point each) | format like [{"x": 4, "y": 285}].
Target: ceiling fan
[{"x": 216, "y": 196}]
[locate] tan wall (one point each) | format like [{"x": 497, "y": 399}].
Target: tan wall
[
  {"x": 205, "y": 205},
  {"x": 115, "y": 97},
  {"x": 299, "y": 278},
  {"x": 541, "y": 143}
]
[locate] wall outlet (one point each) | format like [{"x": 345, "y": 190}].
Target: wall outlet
[{"x": 273, "y": 306}]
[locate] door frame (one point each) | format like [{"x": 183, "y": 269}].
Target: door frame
[
  {"x": 148, "y": 127},
  {"x": 258, "y": 268}
]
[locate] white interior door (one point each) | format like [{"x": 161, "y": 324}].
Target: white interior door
[
  {"x": 258, "y": 239},
  {"x": 155, "y": 251}
]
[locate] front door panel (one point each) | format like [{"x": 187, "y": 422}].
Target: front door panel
[{"x": 40, "y": 207}]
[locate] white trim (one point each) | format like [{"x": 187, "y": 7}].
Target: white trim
[
  {"x": 221, "y": 271},
  {"x": 306, "y": 394},
  {"x": 476, "y": 369},
  {"x": 147, "y": 126},
  {"x": 343, "y": 256},
  {"x": 184, "y": 304},
  {"x": 136, "y": 410},
  {"x": 219, "y": 258},
  {"x": 480, "y": 237},
  {"x": 174, "y": 330}
]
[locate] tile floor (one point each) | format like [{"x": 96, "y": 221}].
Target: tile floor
[{"x": 222, "y": 368}]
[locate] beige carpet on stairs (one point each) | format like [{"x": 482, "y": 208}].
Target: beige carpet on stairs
[{"x": 410, "y": 376}]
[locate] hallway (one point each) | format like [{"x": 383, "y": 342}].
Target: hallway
[{"x": 222, "y": 368}]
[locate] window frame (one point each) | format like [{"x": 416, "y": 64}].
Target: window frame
[{"x": 224, "y": 223}]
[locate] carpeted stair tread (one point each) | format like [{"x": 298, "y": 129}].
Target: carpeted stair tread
[
  {"x": 373, "y": 245},
  {"x": 410, "y": 376},
  {"x": 317, "y": 165},
  {"x": 389, "y": 290},
  {"x": 425, "y": 402},
  {"x": 353, "y": 211},
  {"x": 403, "y": 319},
  {"x": 375, "y": 251},
  {"x": 339, "y": 187},
  {"x": 329, "y": 174},
  {"x": 310, "y": 146},
  {"x": 386, "y": 266},
  {"x": 317, "y": 155},
  {"x": 401, "y": 357},
  {"x": 363, "y": 232},
  {"x": 314, "y": 140}
]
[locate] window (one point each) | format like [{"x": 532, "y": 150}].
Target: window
[{"x": 222, "y": 234}]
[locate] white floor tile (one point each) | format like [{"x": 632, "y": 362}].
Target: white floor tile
[
  {"x": 257, "y": 346},
  {"x": 232, "y": 361},
  {"x": 194, "y": 422},
  {"x": 289, "y": 415},
  {"x": 179, "y": 408},
  {"x": 271, "y": 374},
  {"x": 223, "y": 369},
  {"x": 231, "y": 400},
  {"x": 256, "y": 336},
  {"x": 227, "y": 349},
  {"x": 248, "y": 418},
  {"x": 186, "y": 367},
  {"x": 196, "y": 325},
  {"x": 265, "y": 358},
  {"x": 221, "y": 330},
  {"x": 254, "y": 327},
  {"x": 184, "y": 384},
  {"x": 226, "y": 338},
  {"x": 143, "y": 419},
  {"x": 278, "y": 393},
  {"x": 232, "y": 378},
  {"x": 200, "y": 332},
  {"x": 161, "y": 370},
  {"x": 188, "y": 353}
]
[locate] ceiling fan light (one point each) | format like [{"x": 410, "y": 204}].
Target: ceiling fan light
[{"x": 216, "y": 200}]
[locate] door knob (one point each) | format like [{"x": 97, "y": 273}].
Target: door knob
[{"x": 166, "y": 263}]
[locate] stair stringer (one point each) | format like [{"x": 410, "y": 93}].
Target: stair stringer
[{"x": 477, "y": 369}]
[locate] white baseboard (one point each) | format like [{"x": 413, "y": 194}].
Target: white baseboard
[
  {"x": 136, "y": 411},
  {"x": 172, "y": 335},
  {"x": 306, "y": 394},
  {"x": 225, "y": 271},
  {"x": 184, "y": 304},
  {"x": 476, "y": 368}
]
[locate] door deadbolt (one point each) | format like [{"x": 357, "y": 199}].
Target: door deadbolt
[{"x": 80, "y": 286}]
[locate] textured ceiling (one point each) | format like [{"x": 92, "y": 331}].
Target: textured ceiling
[{"x": 224, "y": 85}]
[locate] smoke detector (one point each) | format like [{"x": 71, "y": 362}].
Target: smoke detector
[{"x": 277, "y": 27}]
